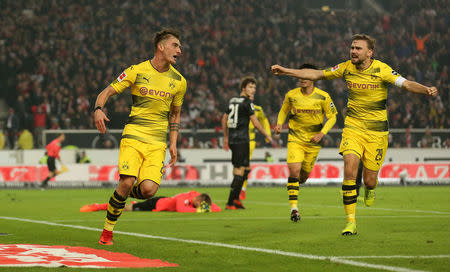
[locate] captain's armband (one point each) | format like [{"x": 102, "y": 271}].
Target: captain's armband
[{"x": 399, "y": 81}]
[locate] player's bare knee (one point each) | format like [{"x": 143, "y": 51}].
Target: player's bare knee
[
  {"x": 371, "y": 183},
  {"x": 147, "y": 194},
  {"x": 370, "y": 178},
  {"x": 294, "y": 170},
  {"x": 148, "y": 188},
  {"x": 351, "y": 164}
]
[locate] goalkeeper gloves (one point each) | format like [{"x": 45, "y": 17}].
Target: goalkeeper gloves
[{"x": 204, "y": 207}]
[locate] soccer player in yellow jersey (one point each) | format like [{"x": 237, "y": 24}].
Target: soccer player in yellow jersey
[
  {"x": 259, "y": 112},
  {"x": 307, "y": 107},
  {"x": 158, "y": 91},
  {"x": 365, "y": 136}
]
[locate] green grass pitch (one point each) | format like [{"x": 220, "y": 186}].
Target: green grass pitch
[{"x": 407, "y": 229}]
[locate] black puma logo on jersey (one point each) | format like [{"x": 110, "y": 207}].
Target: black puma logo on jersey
[{"x": 148, "y": 80}]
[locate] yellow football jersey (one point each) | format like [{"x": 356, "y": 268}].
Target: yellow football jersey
[
  {"x": 153, "y": 94},
  {"x": 366, "y": 107},
  {"x": 307, "y": 114},
  {"x": 259, "y": 112}
]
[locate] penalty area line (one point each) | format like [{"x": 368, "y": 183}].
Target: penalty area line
[{"x": 254, "y": 249}]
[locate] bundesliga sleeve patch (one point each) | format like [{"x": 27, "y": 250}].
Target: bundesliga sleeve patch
[
  {"x": 121, "y": 77},
  {"x": 334, "y": 68}
]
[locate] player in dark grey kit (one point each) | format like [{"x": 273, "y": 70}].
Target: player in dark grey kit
[{"x": 235, "y": 131}]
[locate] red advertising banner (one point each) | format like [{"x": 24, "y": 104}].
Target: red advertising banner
[
  {"x": 103, "y": 172},
  {"x": 416, "y": 171},
  {"x": 23, "y": 173},
  {"x": 24, "y": 255},
  {"x": 216, "y": 173}
]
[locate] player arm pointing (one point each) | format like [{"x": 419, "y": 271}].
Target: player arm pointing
[
  {"x": 258, "y": 126},
  {"x": 99, "y": 115},
  {"x": 394, "y": 78},
  {"x": 310, "y": 74},
  {"x": 414, "y": 87}
]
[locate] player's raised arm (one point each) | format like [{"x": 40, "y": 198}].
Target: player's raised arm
[
  {"x": 414, "y": 87},
  {"x": 310, "y": 74},
  {"x": 99, "y": 115}
]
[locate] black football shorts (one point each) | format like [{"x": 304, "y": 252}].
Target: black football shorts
[{"x": 240, "y": 154}]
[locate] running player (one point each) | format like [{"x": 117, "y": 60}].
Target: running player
[
  {"x": 307, "y": 107},
  {"x": 235, "y": 123},
  {"x": 158, "y": 90},
  {"x": 365, "y": 136}
]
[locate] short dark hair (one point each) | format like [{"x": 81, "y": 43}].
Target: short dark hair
[
  {"x": 205, "y": 197},
  {"x": 164, "y": 34},
  {"x": 308, "y": 66},
  {"x": 245, "y": 81},
  {"x": 369, "y": 39}
]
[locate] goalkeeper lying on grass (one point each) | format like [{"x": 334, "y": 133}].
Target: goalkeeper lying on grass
[{"x": 185, "y": 202}]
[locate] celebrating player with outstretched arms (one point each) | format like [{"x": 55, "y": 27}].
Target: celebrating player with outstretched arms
[{"x": 365, "y": 135}]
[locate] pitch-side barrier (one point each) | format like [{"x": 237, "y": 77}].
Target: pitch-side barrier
[{"x": 220, "y": 174}]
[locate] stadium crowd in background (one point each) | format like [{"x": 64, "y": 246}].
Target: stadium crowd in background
[{"x": 56, "y": 55}]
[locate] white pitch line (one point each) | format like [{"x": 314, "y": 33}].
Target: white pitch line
[
  {"x": 255, "y": 249},
  {"x": 394, "y": 257},
  {"x": 252, "y": 218}
]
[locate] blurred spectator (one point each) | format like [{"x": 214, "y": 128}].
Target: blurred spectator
[
  {"x": 185, "y": 143},
  {"x": 40, "y": 121},
  {"x": 214, "y": 143},
  {"x": 23, "y": 112},
  {"x": 12, "y": 127},
  {"x": 2, "y": 137},
  {"x": 427, "y": 140},
  {"x": 446, "y": 144},
  {"x": 44, "y": 158},
  {"x": 82, "y": 157},
  {"x": 408, "y": 137},
  {"x": 105, "y": 141},
  {"x": 420, "y": 42},
  {"x": 107, "y": 144},
  {"x": 268, "y": 157},
  {"x": 25, "y": 140}
]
